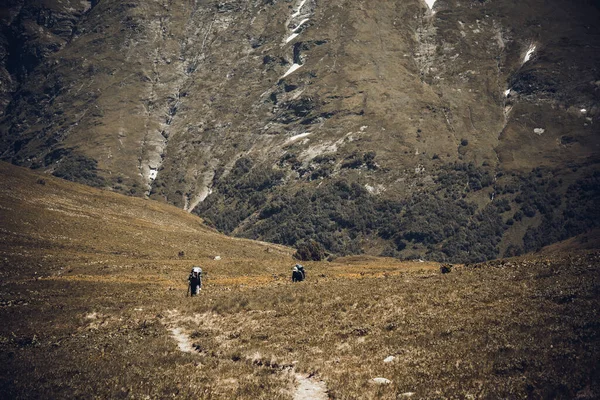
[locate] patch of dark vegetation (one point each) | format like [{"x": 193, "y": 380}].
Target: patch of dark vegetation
[
  {"x": 463, "y": 177},
  {"x": 533, "y": 82},
  {"x": 239, "y": 194},
  {"x": 446, "y": 268},
  {"x": 295, "y": 110},
  {"x": 441, "y": 223},
  {"x": 357, "y": 160},
  {"x": 310, "y": 251},
  {"x": 576, "y": 213},
  {"x": 341, "y": 216},
  {"x": 290, "y": 159},
  {"x": 75, "y": 167}
]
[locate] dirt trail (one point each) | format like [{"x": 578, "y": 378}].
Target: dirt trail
[
  {"x": 183, "y": 341},
  {"x": 310, "y": 389}
]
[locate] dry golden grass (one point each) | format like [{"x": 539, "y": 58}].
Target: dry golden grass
[{"x": 93, "y": 287}]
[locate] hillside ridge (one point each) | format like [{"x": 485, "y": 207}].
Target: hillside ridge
[{"x": 231, "y": 110}]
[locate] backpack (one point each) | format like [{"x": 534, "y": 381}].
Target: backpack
[
  {"x": 301, "y": 270},
  {"x": 196, "y": 273}
]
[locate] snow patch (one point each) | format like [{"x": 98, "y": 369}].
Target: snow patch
[
  {"x": 292, "y": 69},
  {"x": 296, "y": 137},
  {"x": 389, "y": 359},
  {"x": 529, "y": 53},
  {"x": 583, "y": 111},
  {"x": 314, "y": 151},
  {"x": 430, "y": 3},
  {"x": 153, "y": 174},
  {"x": 202, "y": 195},
  {"x": 305, "y": 20},
  {"x": 299, "y": 9},
  {"x": 291, "y": 37},
  {"x": 539, "y": 131},
  {"x": 507, "y": 92}
]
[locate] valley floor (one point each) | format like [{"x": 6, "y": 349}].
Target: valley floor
[
  {"x": 518, "y": 328},
  {"x": 93, "y": 305}
]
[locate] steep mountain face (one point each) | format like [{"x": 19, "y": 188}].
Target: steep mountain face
[{"x": 445, "y": 129}]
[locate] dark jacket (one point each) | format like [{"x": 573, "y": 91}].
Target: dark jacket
[
  {"x": 195, "y": 283},
  {"x": 297, "y": 276}
]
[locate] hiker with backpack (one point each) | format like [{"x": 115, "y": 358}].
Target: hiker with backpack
[
  {"x": 195, "y": 280},
  {"x": 298, "y": 274}
]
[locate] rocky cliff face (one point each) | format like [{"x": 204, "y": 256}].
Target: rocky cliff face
[{"x": 446, "y": 129}]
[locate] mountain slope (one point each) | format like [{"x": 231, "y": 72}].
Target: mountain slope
[
  {"x": 51, "y": 227},
  {"x": 93, "y": 304},
  {"x": 232, "y": 110}
]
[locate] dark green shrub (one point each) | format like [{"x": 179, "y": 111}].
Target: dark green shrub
[
  {"x": 310, "y": 251},
  {"x": 78, "y": 168}
]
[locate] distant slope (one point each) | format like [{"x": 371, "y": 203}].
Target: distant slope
[
  {"x": 68, "y": 227},
  {"x": 451, "y": 130},
  {"x": 585, "y": 241}
]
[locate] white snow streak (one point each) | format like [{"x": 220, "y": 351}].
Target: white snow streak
[
  {"x": 205, "y": 190},
  {"x": 305, "y": 20},
  {"x": 153, "y": 174},
  {"x": 506, "y": 92},
  {"x": 529, "y": 53},
  {"x": 297, "y": 13},
  {"x": 430, "y": 3},
  {"x": 296, "y": 137},
  {"x": 292, "y": 69},
  {"x": 291, "y": 37}
]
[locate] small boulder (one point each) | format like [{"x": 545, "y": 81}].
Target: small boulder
[
  {"x": 217, "y": 258},
  {"x": 446, "y": 268},
  {"x": 389, "y": 359},
  {"x": 381, "y": 381}
]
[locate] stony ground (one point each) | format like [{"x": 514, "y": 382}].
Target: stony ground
[{"x": 93, "y": 305}]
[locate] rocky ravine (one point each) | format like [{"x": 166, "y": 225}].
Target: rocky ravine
[{"x": 226, "y": 108}]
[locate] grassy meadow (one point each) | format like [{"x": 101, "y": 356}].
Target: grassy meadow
[{"x": 93, "y": 305}]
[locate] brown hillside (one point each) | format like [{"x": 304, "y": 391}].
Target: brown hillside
[
  {"x": 413, "y": 125},
  {"x": 93, "y": 305},
  {"x": 59, "y": 229}
]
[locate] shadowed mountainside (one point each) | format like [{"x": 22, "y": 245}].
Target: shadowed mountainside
[{"x": 244, "y": 112}]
